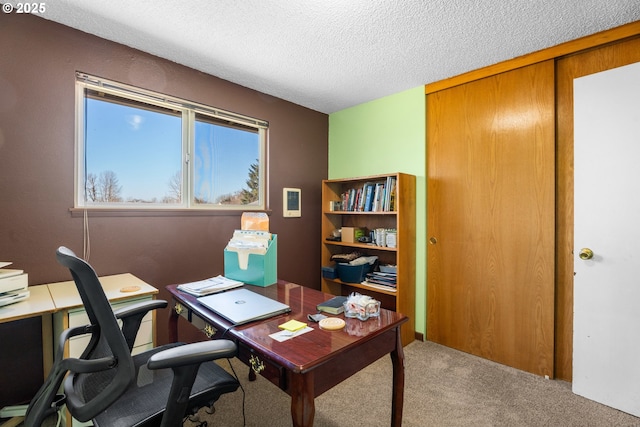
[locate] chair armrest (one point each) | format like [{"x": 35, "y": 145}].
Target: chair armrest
[
  {"x": 132, "y": 315},
  {"x": 142, "y": 307},
  {"x": 68, "y": 334},
  {"x": 185, "y": 361},
  {"x": 191, "y": 354}
]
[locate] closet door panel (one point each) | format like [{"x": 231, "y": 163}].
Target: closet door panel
[{"x": 490, "y": 203}]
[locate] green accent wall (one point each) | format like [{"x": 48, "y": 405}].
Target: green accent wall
[{"x": 384, "y": 136}]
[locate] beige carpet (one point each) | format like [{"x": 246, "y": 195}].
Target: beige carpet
[{"x": 443, "y": 387}]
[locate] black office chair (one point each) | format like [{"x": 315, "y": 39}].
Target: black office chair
[{"x": 108, "y": 385}]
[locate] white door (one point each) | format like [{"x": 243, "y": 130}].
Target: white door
[{"x": 606, "y": 336}]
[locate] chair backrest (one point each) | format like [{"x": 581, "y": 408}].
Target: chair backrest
[
  {"x": 89, "y": 393},
  {"x": 105, "y": 369}
]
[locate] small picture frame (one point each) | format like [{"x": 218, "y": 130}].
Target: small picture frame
[{"x": 291, "y": 202}]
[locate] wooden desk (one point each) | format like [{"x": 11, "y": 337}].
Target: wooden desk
[{"x": 310, "y": 364}]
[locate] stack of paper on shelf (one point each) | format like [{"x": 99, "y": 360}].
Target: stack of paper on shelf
[
  {"x": 388, "y": 280},
  {"x": 13, "y": 285}
]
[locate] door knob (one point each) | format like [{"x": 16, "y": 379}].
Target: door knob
[
  {"x": 433, "y": 240},
  {"x": 585, "y": 253}
]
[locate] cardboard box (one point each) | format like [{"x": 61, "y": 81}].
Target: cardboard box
[
  {"x": 261, "y": 270},
  {"x": 351, "y": 234}
]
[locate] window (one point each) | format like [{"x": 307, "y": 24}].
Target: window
[{"x": 137, "y": 149}]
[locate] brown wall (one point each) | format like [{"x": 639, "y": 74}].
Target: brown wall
[{"x": 38, "y": 61}]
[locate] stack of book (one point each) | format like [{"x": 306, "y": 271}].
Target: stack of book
[
  {"x": 13, "y": 285},
  {"x": 371, "y": 197},
  {"x": 334, "y": 305},
  {"x": 378, "y": 278}
]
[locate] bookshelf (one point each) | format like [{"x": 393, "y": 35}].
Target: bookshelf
[{"x": 397, "y": 213}]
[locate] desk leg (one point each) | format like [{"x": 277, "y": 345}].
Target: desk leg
[
  {"x": 173, "y": 325},
  {"x": 302, "y": 405},
  {"x": 47, "y": 344},
  {"x": 397, "y": 402}
]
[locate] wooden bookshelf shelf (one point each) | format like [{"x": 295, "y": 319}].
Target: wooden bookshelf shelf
[
  {"x": 381, "y": 289},
  {"x": 361, "y": 246},
  {"x": 358, "y": 213},
  {"x": 397, "y": 213}
]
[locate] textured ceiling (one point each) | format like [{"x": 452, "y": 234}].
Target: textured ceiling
[{"x": 328, "y": 55}]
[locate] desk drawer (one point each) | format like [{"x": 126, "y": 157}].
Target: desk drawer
[
  {"x": 202, "y": 325},
  {"x": 266, "y": 368}
]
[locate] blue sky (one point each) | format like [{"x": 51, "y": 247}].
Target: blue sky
[{"x": 143, "y": 148}]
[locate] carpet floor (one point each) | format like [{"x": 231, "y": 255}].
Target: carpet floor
[{"x": 443, "y": 387}]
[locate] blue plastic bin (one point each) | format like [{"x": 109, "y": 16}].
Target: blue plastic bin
[{"x": 352, "y": 273}]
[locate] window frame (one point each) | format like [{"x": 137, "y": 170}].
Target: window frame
[{"x": 188, "y": 111}]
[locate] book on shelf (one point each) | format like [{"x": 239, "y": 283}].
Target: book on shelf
[
  {"x": 334, "y": 305},
  {"x": 378, "y": 196},
  {"x": 389, "y": 200},
  {"x": 209, "y": 286},
  {"x": 369, "y": 197}
]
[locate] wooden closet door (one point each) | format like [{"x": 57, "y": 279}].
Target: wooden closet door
[{"x": 490, "y": 210}]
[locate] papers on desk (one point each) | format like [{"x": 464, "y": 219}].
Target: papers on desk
[
  {"x": 13, "y": 297},
  {"x": 8, "y": 272},
  {"x": 13, "y": 285},
  {"x": 287, "y": 335},
  {"x": 292, "y": 325},
  {"x": 209, "y": 286}
]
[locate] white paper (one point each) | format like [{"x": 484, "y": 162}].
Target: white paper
[
  {"x": 287, "y": 335},
  {"x": 209, "y": 286}
]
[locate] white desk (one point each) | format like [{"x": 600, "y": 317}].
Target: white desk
[
  {"x": 121, "y": 290},
  {"x": 40, "y": 304},
  {"x": 61, "y": 302},
  {"x": 117, "y": 288}
]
